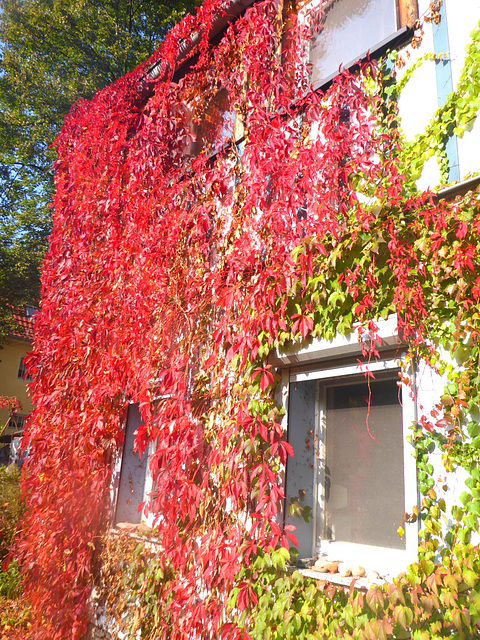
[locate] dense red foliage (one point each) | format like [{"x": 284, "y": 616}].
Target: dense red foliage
[
  {"x": 10, "y": 402},
  {"x": 166, "y": 274}
]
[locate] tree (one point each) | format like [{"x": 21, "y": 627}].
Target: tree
[{"x": 53, "y": 53}]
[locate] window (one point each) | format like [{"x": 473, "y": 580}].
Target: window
[
  {"x": 22, "y": 370},
  {"x": 133, "y": 481},
  {"x": 16, "y": 423},
  {"x": 214, "y": 123},
  {"x": 353, "y": 474},
  {"x": 349, "y": 29}
]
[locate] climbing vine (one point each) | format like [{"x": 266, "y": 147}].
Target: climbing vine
[{"x": 178, "y": 261}]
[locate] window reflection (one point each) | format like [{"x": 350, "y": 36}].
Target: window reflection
[
  {"x": 216, "y": 121},
  {"x": 349, "y": 29}
]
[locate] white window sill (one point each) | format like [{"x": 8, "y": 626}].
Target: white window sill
[{"x": 363, "y": 583}]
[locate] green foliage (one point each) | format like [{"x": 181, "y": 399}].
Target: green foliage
[
  {"x": 10, "y": 581},
  {"x": 14, "y": 609},
  {"x": 11, "y": 507},
  {"x": 275, "y": 602}
]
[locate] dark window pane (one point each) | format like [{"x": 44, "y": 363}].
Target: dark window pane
[
  {"x": 216, "y": 123},
  {"x": 300, "y": 468}
]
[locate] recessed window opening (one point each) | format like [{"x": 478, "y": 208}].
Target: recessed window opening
[
  {"x": 350, "y": 474},
  {"x": 22, "y": 370},
  {"x": 133, "y": 473}
]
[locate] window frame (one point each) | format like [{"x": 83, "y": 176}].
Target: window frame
[
  {"x": 16, "y": 423},
  {"x": 336, "y": 360},
  {"x": 120, "y": 471},
  {"x": 22, "y": 373}
]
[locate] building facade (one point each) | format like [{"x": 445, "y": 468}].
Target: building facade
[{"x": 258, "y": 349}]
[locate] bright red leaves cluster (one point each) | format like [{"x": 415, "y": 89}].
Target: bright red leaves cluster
[{"x": 169, "y": 274}]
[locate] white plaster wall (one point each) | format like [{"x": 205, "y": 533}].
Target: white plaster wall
[
  {"x": 468, "y": 151},
  {"x": 462, "y": 17},
  {"x": 448, "y": 485},
  {"x": 419, "y": 102},
  {"x": 420, "y": 90}
]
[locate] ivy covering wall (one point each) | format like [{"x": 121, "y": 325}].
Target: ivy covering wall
[{"x": 173, "y": 275}]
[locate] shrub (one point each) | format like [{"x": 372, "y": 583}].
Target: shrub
[
  {"x": 11, "y": 507},
  {"x": 10, "y": 581}
]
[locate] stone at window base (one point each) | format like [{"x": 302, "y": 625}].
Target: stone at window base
[
  {"x": 342, "y": 568},
  {"x": 325, "y": 566},
  {"x": 354, "y": 570},
  {"x": 133, "y": 528}
]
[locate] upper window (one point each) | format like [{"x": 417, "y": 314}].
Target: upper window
[
  {"x": 349, "y": 29},
  {"x": 214, "y": 123}
]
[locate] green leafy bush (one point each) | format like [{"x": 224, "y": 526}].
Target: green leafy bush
[
  {"x": 10, "y": 581},
  {"x": 14, "y": 610},
  {"x": 11, "y": 508}
]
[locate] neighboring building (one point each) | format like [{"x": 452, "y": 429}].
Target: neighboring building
[{"x": 14, "y": 381}]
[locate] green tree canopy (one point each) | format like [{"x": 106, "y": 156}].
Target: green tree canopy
[{"x": 53, "y": 52}]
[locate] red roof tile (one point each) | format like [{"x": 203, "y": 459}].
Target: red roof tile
[{"x": 24, "y": 317}]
